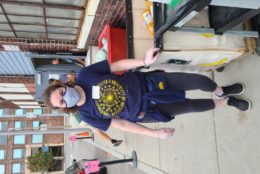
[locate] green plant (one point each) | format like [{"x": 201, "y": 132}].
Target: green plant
[{"x": 40, "y": 161}]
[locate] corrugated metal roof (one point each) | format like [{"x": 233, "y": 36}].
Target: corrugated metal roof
[
  {"x": 15, "y": 63},
  {"x": 42, "y": 19}
]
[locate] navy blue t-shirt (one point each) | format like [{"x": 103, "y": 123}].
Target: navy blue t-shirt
[{"x": 120, "y": 95}]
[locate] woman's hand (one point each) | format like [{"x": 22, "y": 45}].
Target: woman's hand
[
  {"x": 151, "y": 56},
  {"x": 163, "y": 133}
]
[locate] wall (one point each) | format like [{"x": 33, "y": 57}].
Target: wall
[
  {"x": 112, "y": 11},
  {"x": 27, "y": 81}
]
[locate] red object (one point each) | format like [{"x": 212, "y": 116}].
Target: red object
[
  {"x": 73, "y": 138},
  {"x": 92, "y": 166},
  {"x": 83, "y": 134},
  {"x": 116, "y": 43}
]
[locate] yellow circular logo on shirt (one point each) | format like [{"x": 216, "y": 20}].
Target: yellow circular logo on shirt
[
  {"x": 161, "y": 85},
  {"x": 112, "y": 98}
]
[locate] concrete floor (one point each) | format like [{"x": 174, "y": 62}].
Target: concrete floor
[{"x": 237, "y": 132}]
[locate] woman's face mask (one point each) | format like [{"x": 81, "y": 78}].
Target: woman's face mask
[{"x": 71, "y": 97}]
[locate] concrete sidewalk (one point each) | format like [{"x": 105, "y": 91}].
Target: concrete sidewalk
[{"x": 223, "y": 141}]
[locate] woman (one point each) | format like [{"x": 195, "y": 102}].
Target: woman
[{"x": 106, "y": 100}]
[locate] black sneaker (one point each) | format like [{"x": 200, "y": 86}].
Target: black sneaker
[
  {"x": 240, "y": 104},
  {"x": 117, "y": 143},
  {"x": 234, "y": 89}
]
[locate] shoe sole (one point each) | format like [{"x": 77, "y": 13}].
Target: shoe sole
[
  {"x": 250, "y": 105},
  {"x": 242, "y": 92}
]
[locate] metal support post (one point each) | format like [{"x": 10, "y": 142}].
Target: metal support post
[
  {"x": 133, "y": 159},
  {"x": 37, "y": 131}
]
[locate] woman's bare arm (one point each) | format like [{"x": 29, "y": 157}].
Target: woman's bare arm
[
  {"x": 126, "y": 64},
  {"x": 140, "y": 129}
]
